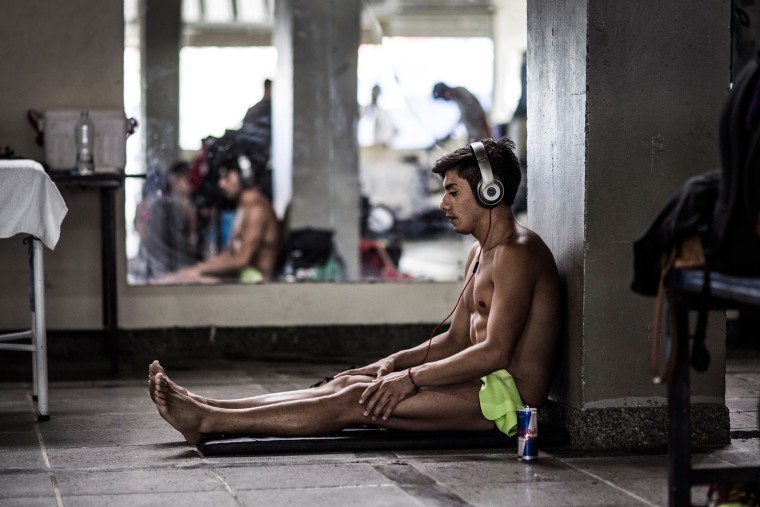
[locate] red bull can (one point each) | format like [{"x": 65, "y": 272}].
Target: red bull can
[{"x": 527, "y": 434}]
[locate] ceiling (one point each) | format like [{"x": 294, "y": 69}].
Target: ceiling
[{"x": 249, "y": 22}]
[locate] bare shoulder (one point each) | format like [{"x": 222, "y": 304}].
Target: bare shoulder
[
  {"x": 254, "y": 203},
  {"x": 528, "y": 252},
  {"x": 249, "y": 199}
]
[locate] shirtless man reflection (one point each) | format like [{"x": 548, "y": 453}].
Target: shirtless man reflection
[
  {"x": 255, "y": 241},
  {"x": 497, "y": 354}
]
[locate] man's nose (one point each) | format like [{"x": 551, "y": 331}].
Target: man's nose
[{"x": 443, "y": 204}]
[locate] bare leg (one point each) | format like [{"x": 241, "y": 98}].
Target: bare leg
[
  {"x": 440, "y": 408},
  {"x": 255, "y": 401},
  {"x": 300, "y": 394}
]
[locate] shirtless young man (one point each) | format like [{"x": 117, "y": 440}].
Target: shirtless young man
[
  {"x": 497, "y": 354},
  {"x": 254, "y": 249}
]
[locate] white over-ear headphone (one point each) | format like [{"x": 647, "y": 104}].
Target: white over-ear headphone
[
  {"x": 490, "y": 190},
  {"x": 246, "y": 170}
]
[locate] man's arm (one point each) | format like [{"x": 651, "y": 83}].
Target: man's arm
[
  {"x": 445, "y": 344},
  {"x": 251, "y": 236},
  {"x": 442, "y": 345},
  {"x": 452, "y": 341}
]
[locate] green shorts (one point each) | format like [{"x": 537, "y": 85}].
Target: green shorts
[
  {"x": 499, "y": 401},
  {"x": 251, "y": 275}
]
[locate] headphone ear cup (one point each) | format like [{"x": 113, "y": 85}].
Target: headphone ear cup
[
  {"x": 491, "y": 194},
  {"x": 490, "y": 189},
  {"x": 246, "y": 170}
]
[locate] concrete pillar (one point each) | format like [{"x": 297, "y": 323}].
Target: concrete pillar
[
  {"x": 623, "y": 107},
  {"x": 315, "y": 150},
  {"x": 161, "y": 24}
]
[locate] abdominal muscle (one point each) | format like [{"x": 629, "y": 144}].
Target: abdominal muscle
[{"x": 478, "y": 327}]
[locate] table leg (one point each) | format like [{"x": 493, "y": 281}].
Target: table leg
[
  {"x": 110, "y": 303},
  {"x": 39, "y": 333},
  {"x": 679, "y": 447}
]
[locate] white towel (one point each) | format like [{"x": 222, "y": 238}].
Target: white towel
[{"x": 30, "y": 202}]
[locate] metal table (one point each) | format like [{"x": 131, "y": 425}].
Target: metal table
[
  {"x": 107, "y": 183},
  {"x": 725, "y": 292},
  {"x": 31, "y": 204}
]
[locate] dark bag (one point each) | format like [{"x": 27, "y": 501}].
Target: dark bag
[
  {"x": 735, "y": 242},
  {"x": 722, "y": 207},
  {"x": 310, "y": 254},
  {"x": 687, "y": 214},
  {"x": 309, "y": 247},
  {"x": 675, "y": 240}
]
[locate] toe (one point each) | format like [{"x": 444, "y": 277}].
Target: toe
[{"x": 155, "y": 367}]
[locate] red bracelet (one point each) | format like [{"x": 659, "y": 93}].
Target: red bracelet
[{"x": 416, "y": 387}]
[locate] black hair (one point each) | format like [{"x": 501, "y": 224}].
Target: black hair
[
  {"x": 249, "y": 175},
  {"x": 439, "y": 89},
  {"x": 229, "y": 162},
  {"x": 504, "y": 163},
  {"x": 180, "y": 167}
]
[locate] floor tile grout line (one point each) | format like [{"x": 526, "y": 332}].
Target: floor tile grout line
[
  {"x": 40, "y": 440},
  {"x": 612, "y": 484},
  {"x": 219, "y": 477},
  {"x": 46, "y": 460},
  {"x": 43, "y": 447},
  {"x": 56, "y": 490},
  {"x": 226, "y": 486}
]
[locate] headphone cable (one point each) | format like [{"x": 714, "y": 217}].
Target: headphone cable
[{"x": 472, "y": 275}]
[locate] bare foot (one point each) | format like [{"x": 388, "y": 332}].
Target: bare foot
[
  {"x": 153, "y": 368},
  {"x": 156, "y": 368},
  {"x": 182, "y": 412}
]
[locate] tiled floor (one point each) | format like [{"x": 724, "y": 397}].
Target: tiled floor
[{"x": 106, "y": 445}]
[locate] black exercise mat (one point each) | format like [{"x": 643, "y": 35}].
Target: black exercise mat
[{"x": 371, "y": 439}]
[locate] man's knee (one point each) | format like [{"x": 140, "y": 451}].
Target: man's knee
[
  {"x": 339, "y": 383},
  {"x": 349, "y": 396},
  {"x": 353, "y": 391}
]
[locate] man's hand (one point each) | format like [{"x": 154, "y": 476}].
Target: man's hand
[
  {"x": 383, "y": 394},
  {"x": 377, "y": 369},
  {"x": 191, "y": 274}
]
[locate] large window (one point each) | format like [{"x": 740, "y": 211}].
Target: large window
[{"x": 217, "y": 86}]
